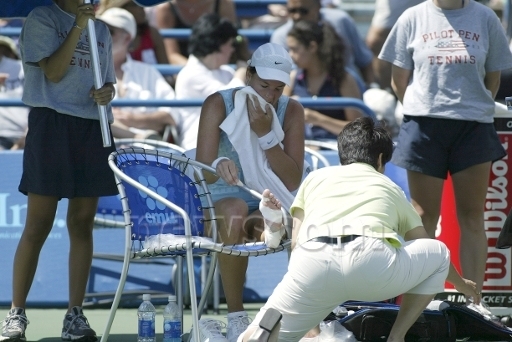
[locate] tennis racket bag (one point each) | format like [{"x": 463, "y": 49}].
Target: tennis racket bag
[{"x": 372, "y": 321}]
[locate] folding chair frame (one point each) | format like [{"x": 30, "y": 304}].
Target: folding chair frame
[{"x": 209, "y": 245}]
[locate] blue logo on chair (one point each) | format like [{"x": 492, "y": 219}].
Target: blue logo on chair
[
  {"x": 150, "y": 216},
  {"x": 152, "y": 184},
  {"x": 155, "y": 217}
]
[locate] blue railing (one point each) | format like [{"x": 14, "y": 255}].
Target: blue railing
[
  {"x": 182, "y": 33},
  {"x": 10, "y": 31},
  {"x": 243, "y": 8},
  {"x": 178, "y": 33},
  {"x": 325, "y": 102},
  {"x": 256, "y": 37}
]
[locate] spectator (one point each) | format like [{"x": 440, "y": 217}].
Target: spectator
[
  {"x": 211, "y": 46},
  {"x": 358, "y": 58},
  {"x": 64, "y": 155},
  {"x": 356, "y": 237},
  {"x": 385, "y": 16},
  {"x": 318, "y": 52},
  {"x": 447, "y": 88},
  {"x": 8, "y": 48},
  {"x": 234, "y": 130},
  {"x": 148, "y": 45},
  {"x": 135, "y": 80},
  {"x": 277, "y": 15},
  {"x": 13, "y": 120},
  {"x": 183, "y": 14}
]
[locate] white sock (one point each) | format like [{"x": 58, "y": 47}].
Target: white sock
[
  {"x": 236, "y": 314},
  {"x": 272, "y": 239},
  {"x": 309, "y": 339},
  {"x": 271, "y": 215}
]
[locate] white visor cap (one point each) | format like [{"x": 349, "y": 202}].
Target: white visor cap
[{"x": 272, "y": 62}]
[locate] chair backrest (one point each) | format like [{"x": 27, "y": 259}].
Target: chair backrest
[
  {"x": 167, "y": 178},
  {"x": 149, "y": 144},
  {"x": 315, "y": 158},
  {"x": 110, "y": 212}
]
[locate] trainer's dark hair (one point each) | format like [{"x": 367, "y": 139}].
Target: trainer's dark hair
[
  {"x": 362, "y": 141},
  {"x": 209, "y": 32}
]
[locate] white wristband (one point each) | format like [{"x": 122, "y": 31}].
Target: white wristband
[
  {"x": 217, "y": 161},
  {"x": 269, "y": 140}
]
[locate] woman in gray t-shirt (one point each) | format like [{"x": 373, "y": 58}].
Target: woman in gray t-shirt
[
  {"x": 64, "y": 155},
  {"x": 447, "y": 58}
]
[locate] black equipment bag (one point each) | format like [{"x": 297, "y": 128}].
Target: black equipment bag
[
  {"x": 372, "y": 322},
  {"x": 472, "y": 326}
]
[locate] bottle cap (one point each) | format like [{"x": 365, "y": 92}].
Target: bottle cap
[
  {"x": 172, "y": 298},
  {"x": 146, "y": 296}
]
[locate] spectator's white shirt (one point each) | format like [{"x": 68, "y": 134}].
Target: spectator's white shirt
[
  {"x": 196, "y": 81},
  {"x": 142, "y": 81},
  {"x": 13, "y": 120}
]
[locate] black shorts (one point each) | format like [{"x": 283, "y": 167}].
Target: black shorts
[
  {"x": 64, "y": 157},
  {"x": 435, "y": 147}
]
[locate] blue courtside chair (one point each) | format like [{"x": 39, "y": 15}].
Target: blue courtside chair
[{"x": 165, "y": 193}]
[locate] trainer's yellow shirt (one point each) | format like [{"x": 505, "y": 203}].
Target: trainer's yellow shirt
[{"x": 353, "y": 199}]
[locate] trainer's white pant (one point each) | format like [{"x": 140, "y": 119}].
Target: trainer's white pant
[{"x": 321, "y": 276}]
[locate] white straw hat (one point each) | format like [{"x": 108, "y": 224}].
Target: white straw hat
[
  {"x": 120, "y": 18},
  {"x": 272, "y": 62},
  {"x": 10, "y": 44}
]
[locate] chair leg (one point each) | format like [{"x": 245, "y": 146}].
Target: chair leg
[
  {"x": 192, "y": 287},
  {"x": 179, "y": 286},
  {"x": 204, "y": 291},
  {"x": 216, "y": 291},
  {"x": 208, "y": 281},
  {"x": 117, "y": 297}
]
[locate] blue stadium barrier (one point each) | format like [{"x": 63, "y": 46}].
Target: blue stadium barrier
[
  {"x": 10, "y": 31},
  {"x": 243, "y": 8},
  {"x": 172, "y": 69},
  {"x": 256, "y": 37},
  {"x": 254, "y": 8},
  {"x": 325, "y": 102}
]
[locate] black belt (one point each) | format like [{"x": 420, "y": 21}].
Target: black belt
[{"x": 334, "y": 240}]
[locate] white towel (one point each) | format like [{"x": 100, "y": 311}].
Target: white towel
[{"x": 258, "y": 174}]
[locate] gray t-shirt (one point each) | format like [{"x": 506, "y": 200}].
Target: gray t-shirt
[
  {"x": 449, "y": 51},
  {"x": 45, "y": 29}
]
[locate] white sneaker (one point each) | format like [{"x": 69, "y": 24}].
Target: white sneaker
[
  {"x": 236, "y": 326},
  {"x": 210, "y": 330}
]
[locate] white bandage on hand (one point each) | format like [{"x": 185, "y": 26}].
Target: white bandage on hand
[{"x": 271, "y": 217}]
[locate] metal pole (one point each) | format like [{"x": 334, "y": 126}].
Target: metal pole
[{"x": 98, "y": 82}]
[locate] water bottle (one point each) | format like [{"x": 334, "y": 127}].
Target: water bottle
[
  {"x": 172, "y": 321},
  {"x": 146, "y": 314}
]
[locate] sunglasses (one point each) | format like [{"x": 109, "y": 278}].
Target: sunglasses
[{"x": 299, "y": 10}]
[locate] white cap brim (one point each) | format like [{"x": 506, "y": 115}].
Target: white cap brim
[{"x": 273, "y": 74}]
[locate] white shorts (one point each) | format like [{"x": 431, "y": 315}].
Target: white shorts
[
  {"x": 387, "y": 11},
  {"x": 322, "y": 276}
]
